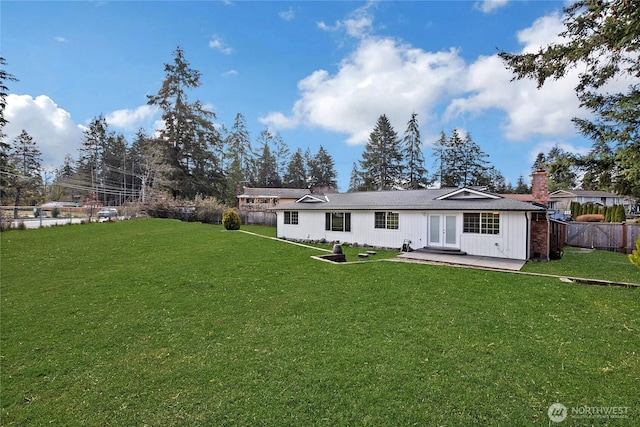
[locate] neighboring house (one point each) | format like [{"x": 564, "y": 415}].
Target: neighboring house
[
  {"x": 560, "y": 200},
  {"x": 265, "y": 198},
  {"x": 469, "y": 220}
]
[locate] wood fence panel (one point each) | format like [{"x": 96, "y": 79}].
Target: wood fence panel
[{"x": 612, "y": 237}]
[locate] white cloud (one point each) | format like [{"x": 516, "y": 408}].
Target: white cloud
[
  {"x": 60, "y": 39},
  {"x": 50, "y": 126},
  {"x": 287, "y": 15},
  {"x": 128, "y": 119},
  {"x": 358, "y": 24},
  {"x": 387, "y": 76},
  {"x": 230, "y": 73},
  {"x": 487, "y": 6},
  {"x": 529, "y": 111},
  {"x": 217, "y": 43},
  {"x": 383, "y": 76},
  {"x": 543, "y": 31}
]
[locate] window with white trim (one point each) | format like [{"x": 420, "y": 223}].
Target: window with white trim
[
  {"x": 291, "y": 217},
  {"x": 337, "y": 221},
  {"x": 481, "y": 223},
  {"x": 388, "y": 220}
]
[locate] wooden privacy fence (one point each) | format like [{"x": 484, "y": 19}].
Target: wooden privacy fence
[{"x": 613, "y": 237}]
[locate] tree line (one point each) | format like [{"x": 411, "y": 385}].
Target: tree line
[{"x": 193, "y": 155}]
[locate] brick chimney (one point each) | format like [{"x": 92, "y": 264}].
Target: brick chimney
[{"x": 540, "y": 187}]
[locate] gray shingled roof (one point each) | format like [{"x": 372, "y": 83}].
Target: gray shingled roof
[
  {"x": 411, "y": 200},
  {"x": 582, "y": 193}
]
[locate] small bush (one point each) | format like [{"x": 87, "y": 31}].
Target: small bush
[
  {"x": 620, "y": 214},
  {"x": 634, "y": 256},
  {"x": 590, "y": 218},
  {"x": 231, "y": 220}
]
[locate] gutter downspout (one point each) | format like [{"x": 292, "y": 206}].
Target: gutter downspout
[{"x": 528, "y": 249}]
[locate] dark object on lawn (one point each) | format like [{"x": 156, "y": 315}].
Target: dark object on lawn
[
  {"x": 363, "y": 255},
  {"x": 337, "y": 249},
  {"x": 555, "y": 254},
  {"x": 334, "y": 257}
]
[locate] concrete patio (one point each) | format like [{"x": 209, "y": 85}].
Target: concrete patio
[{"x": 464, "y": 260}]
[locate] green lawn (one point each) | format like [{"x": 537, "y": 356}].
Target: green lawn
[
  {"x": 159, "y": 322},
  {"x": 603, "y": 265}
]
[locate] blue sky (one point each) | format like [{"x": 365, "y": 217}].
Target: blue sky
[{"x": 316, "y": 72}]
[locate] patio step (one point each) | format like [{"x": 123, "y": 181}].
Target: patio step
[{"x": 444, "y": 251}]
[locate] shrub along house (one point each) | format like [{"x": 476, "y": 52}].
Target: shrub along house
[{"x": 465, "y": 219}]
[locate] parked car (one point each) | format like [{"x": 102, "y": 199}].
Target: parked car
[{"x": 107, "y": 213}]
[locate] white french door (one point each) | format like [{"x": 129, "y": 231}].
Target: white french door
[{"x": 443, "y": 231}]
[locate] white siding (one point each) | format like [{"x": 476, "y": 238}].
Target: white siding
[{"x": 510, "y": 243}]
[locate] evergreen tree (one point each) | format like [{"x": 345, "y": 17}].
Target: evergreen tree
[
  {"x": 6, "y": 170},
  {"x": 355, "y": 181},
  {"x": 26, "y": 160},
  {"x": 4, "y": 78},
  {"x": 296, "y": 175},
  {"x": 381, "y": 163},
  {"x": 561, "y": 167},
  {"x": 439, "y": 149},
  {"x": 94, "y": 140},
  {"x": 493, "y": 180},
  {"x": 574, "y": 207},
  {"x": 114, "y": 173},
  {"x": 540, "y": 163},
  {"x": 598, "y": 167},
  {"x": 475, "y": 168},
  {"x": 240, "y": 160},
  {"x": 521, "y": 186},
  {"x": 266, "y": 165},
  {"x": 620, "y": 215},
  {"x": 281, "y": 153},
  {"x": 64, "y": 180},
  {"x": 452, "y": 163},
  {"x": 322, "y": 170},
  {"x": 189, "y": 135},
  {"x": 415, "y": 171},
  {"x": 463, "y": 163}
]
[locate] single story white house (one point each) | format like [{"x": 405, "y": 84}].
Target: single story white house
[{"x": 465, "y": 219}]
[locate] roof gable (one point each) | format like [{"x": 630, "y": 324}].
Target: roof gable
[
  {"x": 311, "y": 198},
  {"x": 467, "y": 194}
]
